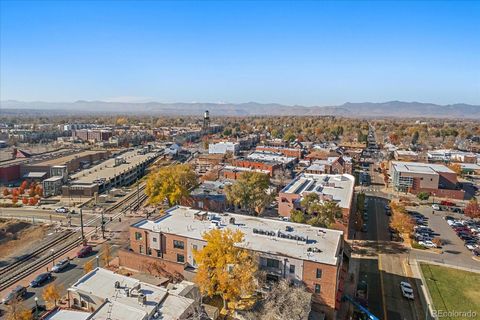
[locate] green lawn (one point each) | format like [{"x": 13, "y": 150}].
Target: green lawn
[{"x": 453, "y": 290}]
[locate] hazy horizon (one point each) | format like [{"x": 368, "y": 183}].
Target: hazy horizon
[{"x": 292, "y": 53}]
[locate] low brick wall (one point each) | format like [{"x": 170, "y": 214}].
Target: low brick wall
[{"x": 152, "y": 265}]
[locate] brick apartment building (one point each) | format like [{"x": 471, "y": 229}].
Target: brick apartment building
[
  {"x": 415, "y": 177},
  {"x": 233, "y": 173},
  {"x": 338, "y": 188},
  {"x": 299, "y": 253},
  {"x": 92, "y": 135},
  {"x": 288, "y": 152},
  {"x": 331, "y": 165},
  {"x": 263, "y": 165}
]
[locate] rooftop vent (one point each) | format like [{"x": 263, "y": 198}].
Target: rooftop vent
[{"x": 117, "y": 284}]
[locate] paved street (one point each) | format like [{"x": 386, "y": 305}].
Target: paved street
[{"x": 384, "y": 264}]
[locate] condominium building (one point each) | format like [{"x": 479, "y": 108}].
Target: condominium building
[
  {"x": 329, "y": 187},
  {"x": 224, "y": 147},
  {"x": 299, "y": 253}
]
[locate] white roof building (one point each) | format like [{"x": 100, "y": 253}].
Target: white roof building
[{"x": 116, "y": 297}]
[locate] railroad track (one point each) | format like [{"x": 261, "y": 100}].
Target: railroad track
[
  {"x": 18, "y": 270},
  {"x": 128, "y": 200}
]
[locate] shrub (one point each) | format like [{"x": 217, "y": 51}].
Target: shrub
[{"x": 423, "y": 195}]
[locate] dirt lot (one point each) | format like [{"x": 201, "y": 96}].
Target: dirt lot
[{"x": 16, "y": 236}]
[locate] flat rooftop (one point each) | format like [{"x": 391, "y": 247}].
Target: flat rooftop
[
  {"x": 107, "y": 169},
  {"x": 66, "y": 159},
  {"x": 270, "y": 156},
  {"x": 418, "y": 167},
  {"x": 101, "y": 283},
  {"x": 339, "y": 186},
  {"x": 302, "y": 241},
  {"x": 406, "y": 153},
  {"x": 242, "y": 169}
]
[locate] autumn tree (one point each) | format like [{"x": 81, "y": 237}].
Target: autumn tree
[
  {"x": 24, "y": 200},
  {"x": 51, "y": 294},
  {"x": 316, "y": 212},
  {"x": 14, "y": 199},
  {"x": 107, "y": 253},
  {"x": 88, "y": 266},
  {"x": 224, "y": 268},
  {"x": 456, "y": 167},
  {"x": 39, "y": 190},
  {"x": 283, "y": 301},
  {"x": 400, "y": 220},
  {"x": 6, "y": 192},
  {"x": 472, "y": 210},
  {"x": 250, "y": 192},
  {"x": 171, "y": 184},
  {"x": 16, "y": 310}
]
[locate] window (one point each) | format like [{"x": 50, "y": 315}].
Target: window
[
  {"x": 159, "y": 253},
  {"x": 319, "y": 273},
  {"x": 292, "y": 268},
  {"x": 138, "y": 236},
  {"x": 178, "y": 244},
  {"x": 149, "y": 251},
  {"x": 195, "y": 247},
  {"x": 140, "y": 248},
  {"x": 272, "y": 263},
  {"x": 180, "y": 258},
  {"x": 317, "y": 288},
  {"x": 154, "y": 239}
]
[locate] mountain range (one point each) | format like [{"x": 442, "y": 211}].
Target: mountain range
[{"x": 349, "y": 109}]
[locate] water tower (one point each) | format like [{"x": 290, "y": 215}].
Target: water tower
[{"x": 206, "y": 122}]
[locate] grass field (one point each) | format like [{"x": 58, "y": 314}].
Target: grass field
[{"x": 453, "y": 290}]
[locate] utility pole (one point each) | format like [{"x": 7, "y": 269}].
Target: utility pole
[
  {"x": 138, "y": 193},
  {"x": 103, "y": 226},
  {"x": 81, "y": 224}
]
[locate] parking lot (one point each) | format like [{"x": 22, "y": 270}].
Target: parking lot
[{"x": 453, "y": 250}]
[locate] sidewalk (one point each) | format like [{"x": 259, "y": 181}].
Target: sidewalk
[{"x": 345, "y": 310}]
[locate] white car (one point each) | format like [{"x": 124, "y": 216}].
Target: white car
[
  {"x": 407, "y": 290},
  {"x": 427, "y": 243},
  {"x": 436, "y": 207},
  {"x": 61, "y": 210}
]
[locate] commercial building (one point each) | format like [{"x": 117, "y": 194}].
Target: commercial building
[
  {"x": 113, "y": 173},
  {"x": 448, "y": 155},
  {"x": 234, "y": 172},
  {"x": 273, "y": 157},
  {"x": 338, "y": 188},
  {"x": 331, "y": 165},
  {"x": 73, "y": 162},
  {"x": 52, "y": 186},
  {"x": 209, "y": 196},
  {"x": 288, "y": 152},
  {"x": 92, "y": 135},
  {"x": 108, "y": 295},
  {"x": 299, "y": 253},
  {"x": 415, "y": 177},
  {"x": 224, "y": 147},
  {"x": 405, "y": 155}
]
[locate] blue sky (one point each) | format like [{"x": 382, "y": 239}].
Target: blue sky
[{"x": 308, "y": 53}]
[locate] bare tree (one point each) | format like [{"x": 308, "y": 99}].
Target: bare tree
[{"x": 284, "y": 301}]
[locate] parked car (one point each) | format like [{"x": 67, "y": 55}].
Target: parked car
[
  {"x": 407, "y": 290},
  {"x": 449, "y": 218},
  {"x": 471, "y": 245},
  {"x": 61, "y": 210},
  {"x": 16, "y": 294},
  {"x": 40, "y": 279},
  {"x": 436, "y": 207},
  {"x": 447, "y": 203},
  {"x": 364, "y": 227},
  {"x": 85, "y": 251},
  {"x": 60, "y": 265},
  {"x": 427, "y": 243}
]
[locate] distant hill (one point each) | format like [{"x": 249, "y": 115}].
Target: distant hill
[{"x": 360, "y": 110}]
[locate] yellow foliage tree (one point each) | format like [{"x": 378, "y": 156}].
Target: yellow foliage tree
[
  {"x": 223, "y": 268},
  {"x": 400, "y": 221},
  {"x": 88, "y": 266},
  {"x": 51, "y": 294},
  {"x": 250, "y": 191},
  {"x": 121, "y": 121},
  {"x": 455, "y": 167},
  {"x": 16, "y": 310},
  {"x": 170, "y": 183}
]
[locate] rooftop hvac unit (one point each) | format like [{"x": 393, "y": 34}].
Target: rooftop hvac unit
[
  {"x": 255, "y": 230},
  {"x": 117, "y": 284},
  {"x": 142, "y": 299}
]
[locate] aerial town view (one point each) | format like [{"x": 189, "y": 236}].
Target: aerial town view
[{"x": 240, "y": 160}]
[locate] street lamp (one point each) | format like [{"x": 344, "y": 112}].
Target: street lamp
[
  {"x": 53, "y": 256},
  {"x": 36, "y": 307},
  {"x": 96, "y": 257}
]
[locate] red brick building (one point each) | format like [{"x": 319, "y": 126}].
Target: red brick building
[
  {"x": 288, "y": 152},
  {"x": 299, "y": 253}
]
